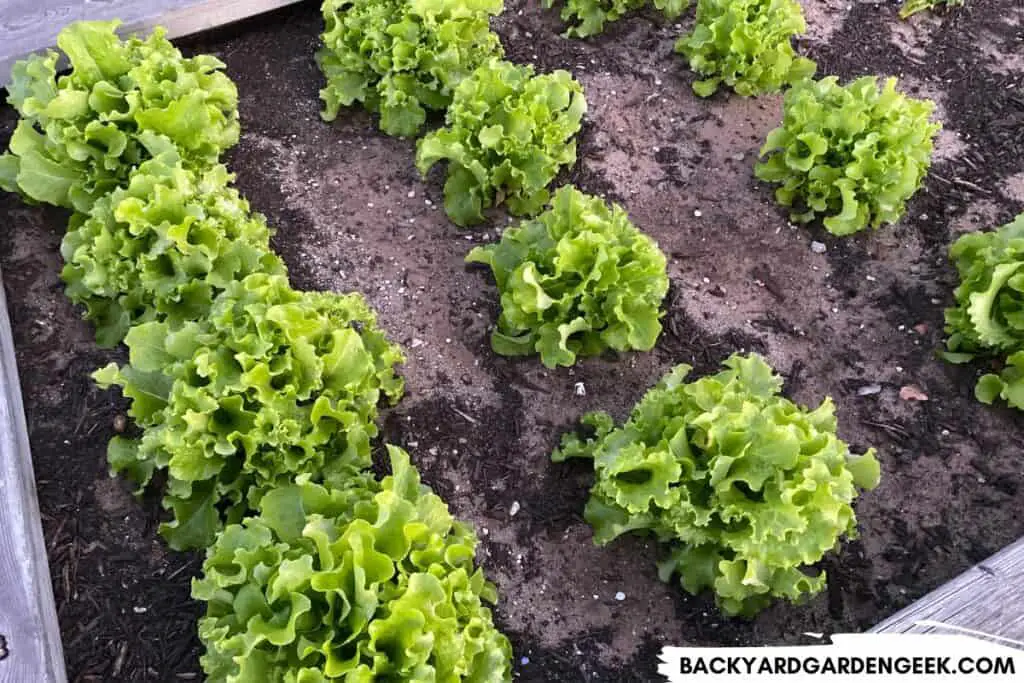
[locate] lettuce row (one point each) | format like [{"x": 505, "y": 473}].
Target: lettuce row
[
  {"x": 271, "y": 384},
  {"x": 911, "y": 7},
  {"x": 590, "y": 16},
  {"x": 988, "y": 316},
  {"x": 162, "y": 247},
  {"x": 362, "y": 581},
  {"x": 402, "y": 58},
  {"x": 746, "y": 44},
  {"x": 248, "y": 393},
  {"x": 123, "y": 102},
  {"x": 852, "y": 153},
  {"x": 746, "y": 489},
  {"x": 574, "y": 281},
  {"x": 508, "y": 133}
]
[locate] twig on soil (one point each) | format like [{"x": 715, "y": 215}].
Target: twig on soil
[
  {"x": 119, "y": 662},
  {"x": 179, "y": 570},
  {"x": 893, "y": 429},
  {"x": 971, "y": 186},
  {"x": 462, "y": 414}
]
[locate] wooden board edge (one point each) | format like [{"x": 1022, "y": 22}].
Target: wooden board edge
[
  {"x": 206, "y": 15},
  {"x": 20, "y": 490},
  {"x": 195, "y": 18},
  {"x": 987, "y": 598}
]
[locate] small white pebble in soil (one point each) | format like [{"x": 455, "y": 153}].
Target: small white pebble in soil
[
  {"x": 697, "y": 213},
  {"x": 514, "y": 509},
  {"x": 870, "y": 278},
  {"x": 818, "y": 247},
  {"x": 140, "y": 610},
  {"x": 869, "y": 390},
  {"x": 412, "y": 193},
  {"x": 416, "y": 343},
  {"x": 580, "y": 389},
  {"x": 945, "y": 432},
  {"x": 620, "y": 596}
]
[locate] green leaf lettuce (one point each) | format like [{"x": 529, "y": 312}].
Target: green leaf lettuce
[
  {"x": 123, "y": 102},
  {"x": 508, "y": 133},
  {"x": 359, "y": 581},
  {"x": 402, "y": 58},
  {"x": 746, "y": 489},
  {"x": 987, "y": 319},
  {"x": 162, "y": 248},
  {"x": 746, "y": 44},
  {"x": 854, "y": 154},
  {"x": 272, "y": 384},
  {"x": 576, "y": 280}
]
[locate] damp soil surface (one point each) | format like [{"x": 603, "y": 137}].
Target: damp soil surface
[{"x": 352, "y": 213}]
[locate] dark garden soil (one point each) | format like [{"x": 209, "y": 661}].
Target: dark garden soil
[{"x": 352, "y": 214}]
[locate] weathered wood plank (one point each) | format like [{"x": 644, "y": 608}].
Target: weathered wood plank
[
  {"x": 988, "y": 598},
  {"x": 28, "y": 26},
  {"x": 28, "y": 619}
]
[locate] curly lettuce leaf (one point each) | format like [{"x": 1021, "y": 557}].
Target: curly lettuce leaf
[
  {"x": 589, "y": 17},
  {"x": 988, "y": 315},
  {"x": 853, "y": 154},
  {"x": 574, "y": 281},
  {"x": 402, "y": 58},
  {"x": 1007, "y": 385},
  {"x": 162, "y": 248},
  {"x": 911, "y": 7},
  {"x": 508, "y": 133},
  {"x": 123, "y": 102},
  {"x": 746, "y": 489},
  {"x": 273, "y": 383},
  {"x": 746, "y": 44},
  {"x": 358, "y": 580}
]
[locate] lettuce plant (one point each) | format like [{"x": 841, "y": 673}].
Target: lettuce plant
[
  {"x": 508, "y": 133},
  {"x": 271, "y": 384},
  {"x": 574, "y": 281},
  {"x": 852, "y": 153},
  {"x": 746, "y": 488},
  {"x": 988, "y": 316},
  {"x": 590, "y": 16},
  {"x": 402, "y": 58},
  {"x": 746, "y": 44},
  {"x": 1008, "y": 384},
  {"x": 162, "y": 247},
  {"x": 80, "y": 135},
  {"x": 911, "y": 7},
  {"x": 365, "y": 581}
]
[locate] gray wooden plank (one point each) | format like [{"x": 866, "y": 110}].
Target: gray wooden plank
[
  {"x": 28, "y": 26},
  {"x": 988, "y": 598},
  {"x": 28, "y": 618}
]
